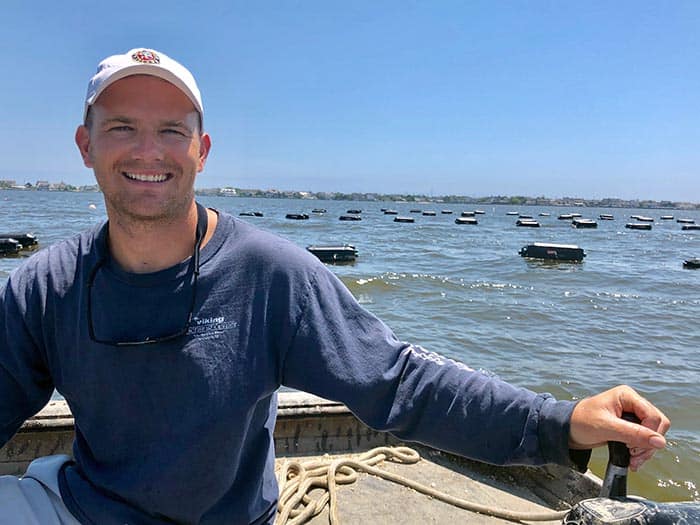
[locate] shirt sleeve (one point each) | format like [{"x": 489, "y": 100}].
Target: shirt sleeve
[
  {"x": 340, "y": 351},
  {"x": 25, "y": 382}
]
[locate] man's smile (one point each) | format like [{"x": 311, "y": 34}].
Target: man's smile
[{"x": 146, "y": 177}]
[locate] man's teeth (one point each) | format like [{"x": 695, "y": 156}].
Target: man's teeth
[{"x": 146, "y": 178}]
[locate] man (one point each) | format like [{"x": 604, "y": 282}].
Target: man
[{"x": 170, "y": 328}]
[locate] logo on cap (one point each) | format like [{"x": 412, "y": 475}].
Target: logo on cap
[{"x": 146, "y": 57}]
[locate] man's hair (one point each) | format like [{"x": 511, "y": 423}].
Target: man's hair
[{"x": 88, "y": 119}]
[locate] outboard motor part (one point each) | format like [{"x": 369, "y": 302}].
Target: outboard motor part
[
  {"x": 613, "y": 507},
  {"x": 628, "y": 511}
]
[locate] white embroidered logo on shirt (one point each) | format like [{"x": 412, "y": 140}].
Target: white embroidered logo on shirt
[{"x": 209, "y": 326}]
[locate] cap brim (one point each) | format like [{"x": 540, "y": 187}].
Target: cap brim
[{"x": 143, "y": 69}]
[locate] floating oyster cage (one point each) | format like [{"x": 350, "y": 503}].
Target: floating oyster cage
[
  {"x": 344, "y": 253},
  {"x": 553, "y": 252},
  {"x": 14, "y": 243}
]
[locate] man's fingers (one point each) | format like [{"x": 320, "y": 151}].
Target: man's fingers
[
  {"x": 598, "y": 419},
  {"x": 638, "y": 435},
  {"x": 657, "y": 441},
  {"x": 649, "y": 416},
  {"x": 636, "y": 461}
]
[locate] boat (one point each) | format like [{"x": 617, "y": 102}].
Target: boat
[
  {"x": 354, "y": 211},
  {"x": 468, "y": 213},
  {"x": 556, "y": 252},
  {"x": 404, "y": 219},
  {"x": 479, "y": 212},
  {"x": 523, "y": 216},
  {"x": 429, "y": 213},
  {"x": 309, "y": 428},
  {"x": 297, "y": 216},
  {"x": 251, "y": 214},
  {"x": 314, "y": 436},
  {"x": 391, "y": 212},
  {"x": 686, "y": 221},
  {"x": 319, "y": 211},
  {"x": 446, "y": 212},
  {"x": 666, "y": 217},
  {"x": 334, "y": 253},
  {"x": 350, "y": 218},
  {"x": 642, "y": 218},
  {"x": 544, "y": 214},
  {"x": 690, "y": 227},
  {"x": 415, "y": 210},
  {"x": 566, "y": 216},
  {"x": 466, "y": 220},
  {"x": 606, "y": 217},
  {"x": 512, "y": 213},
  {"x": 527, "y": 223},
  {"x": 638, "y": 226},
  {"x": 584, "y": 223}
]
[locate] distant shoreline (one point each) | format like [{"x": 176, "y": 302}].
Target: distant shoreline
[{"x": 415, "y": 199}]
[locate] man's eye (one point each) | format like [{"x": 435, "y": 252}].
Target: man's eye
[
  {"x": 173, "y": 131},
  {"x": 120, "y": 128}
]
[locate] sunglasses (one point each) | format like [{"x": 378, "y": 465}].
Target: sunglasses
[{"x": 199, "y": 236}]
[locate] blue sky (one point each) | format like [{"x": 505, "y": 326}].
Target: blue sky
[{"x": 590, "y": 99}]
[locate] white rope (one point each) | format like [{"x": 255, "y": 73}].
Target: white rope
[{"x": 298, "y": 479}]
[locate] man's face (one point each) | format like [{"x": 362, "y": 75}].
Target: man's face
[{"x": 145, "y": 147}]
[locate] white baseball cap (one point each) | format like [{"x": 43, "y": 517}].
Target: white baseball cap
[{"x": 142, "y": 61}]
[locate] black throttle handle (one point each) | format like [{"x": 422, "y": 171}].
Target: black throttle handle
[{"x": 615, "y": 482}]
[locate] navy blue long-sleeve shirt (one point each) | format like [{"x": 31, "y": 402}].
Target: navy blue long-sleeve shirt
[{"x": 182, "y": 431}]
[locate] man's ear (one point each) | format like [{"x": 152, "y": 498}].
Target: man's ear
[
  {"x": 204, "y": 147},
  {"x": 82, "y": 139}
]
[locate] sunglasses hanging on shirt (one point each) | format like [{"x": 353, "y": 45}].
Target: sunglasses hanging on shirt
[{"x": 202, "y": 221}]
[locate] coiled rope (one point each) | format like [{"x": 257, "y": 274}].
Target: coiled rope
[{"x": 297, "y": 479}]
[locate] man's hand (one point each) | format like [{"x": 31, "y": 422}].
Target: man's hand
[{"x": 598, "y": 419}]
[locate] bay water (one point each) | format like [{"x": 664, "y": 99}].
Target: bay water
[{"x": 627, "y": 314}]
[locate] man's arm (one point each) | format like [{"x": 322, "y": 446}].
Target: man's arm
[
  {"x": 342, "y": 352},
  {"x": 25, "y": 384}
]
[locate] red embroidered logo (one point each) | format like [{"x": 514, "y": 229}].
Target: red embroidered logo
[{"x": 146, "y": 57}]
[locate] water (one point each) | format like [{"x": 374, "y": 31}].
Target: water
[{"x": 627, "y": 314}]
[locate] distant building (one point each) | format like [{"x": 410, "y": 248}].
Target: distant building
[
  {"x": 228, "y": 192},
  {"x": 62, "y": 186}
]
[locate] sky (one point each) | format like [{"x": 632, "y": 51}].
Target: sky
[{"x": 587, "y": 99}]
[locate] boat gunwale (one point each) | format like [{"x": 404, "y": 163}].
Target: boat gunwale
[{"x": 310, "y": 426}]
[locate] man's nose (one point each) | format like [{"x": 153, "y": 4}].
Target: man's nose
[{"x": 147, "y": 146}]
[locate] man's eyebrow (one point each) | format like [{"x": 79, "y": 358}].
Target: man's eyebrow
[
  {"x": 175, "y": 123},
  {"x": 123, "y": 120},
  {"x": 120, "y": 119}
]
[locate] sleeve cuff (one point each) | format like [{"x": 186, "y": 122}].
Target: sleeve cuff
[
  {"x": 579, "y": 459},
  {"x": 553, "y": 434}
]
